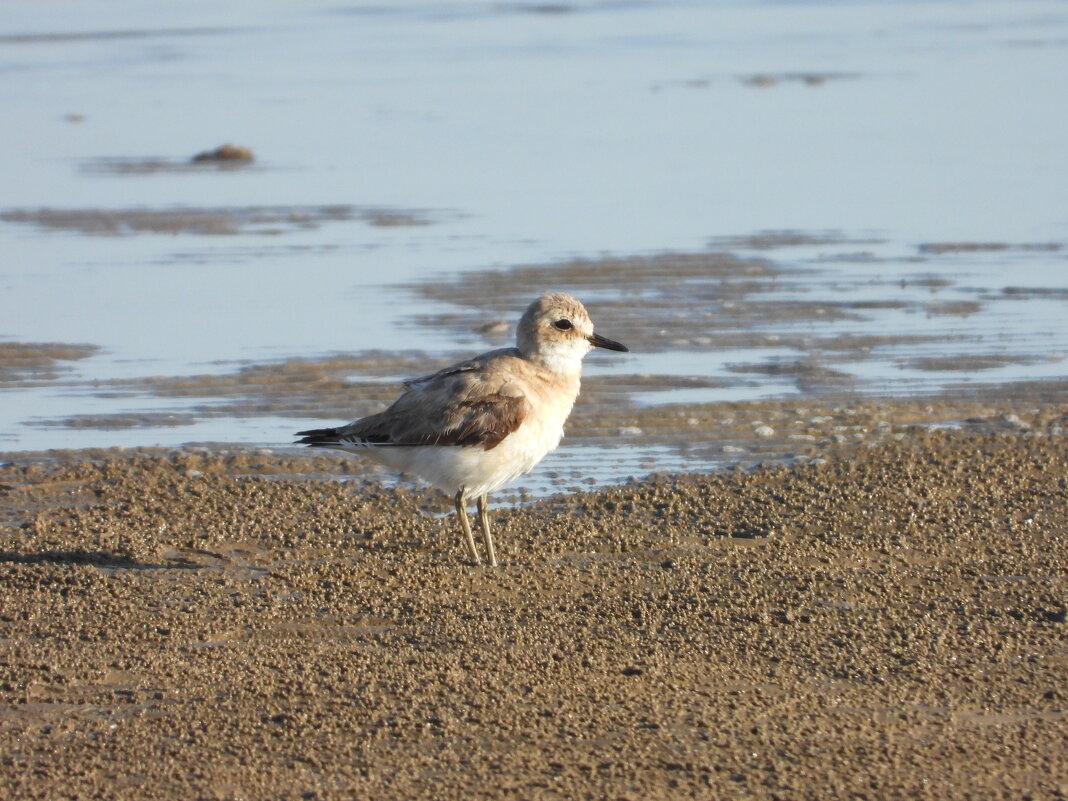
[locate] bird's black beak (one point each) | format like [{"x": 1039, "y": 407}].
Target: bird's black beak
[{"x": 599, "y": 341}]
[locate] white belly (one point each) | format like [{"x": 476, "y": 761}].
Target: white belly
[{"x": 450, "y": 467}]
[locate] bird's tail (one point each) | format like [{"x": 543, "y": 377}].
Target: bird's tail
[{"x": 320, "y": 437}]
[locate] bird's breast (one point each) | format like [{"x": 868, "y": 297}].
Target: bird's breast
[{"x": 549, "y": 405}]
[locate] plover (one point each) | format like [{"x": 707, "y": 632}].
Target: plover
[{"x": 473, "y": 427}]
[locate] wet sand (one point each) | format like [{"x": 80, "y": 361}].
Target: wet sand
[
  {"x": 29, "y": 363},
  {"x": 885, "y": 622},
  {"x": 713, "y": 328},
  {"x": 248, "y": 220}
]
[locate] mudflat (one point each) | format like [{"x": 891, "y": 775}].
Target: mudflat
[{"x": 887, "y": 622}]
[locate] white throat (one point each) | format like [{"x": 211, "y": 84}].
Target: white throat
[{"x": 563, "y": 357}]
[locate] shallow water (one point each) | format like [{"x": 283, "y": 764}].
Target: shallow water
[{"x": 912, "y": 153}]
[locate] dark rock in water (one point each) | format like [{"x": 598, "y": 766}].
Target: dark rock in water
[{"x": 227, "y": 153}]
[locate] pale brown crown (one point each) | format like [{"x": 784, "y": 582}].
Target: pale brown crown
[{"x": 552, "y": 318}]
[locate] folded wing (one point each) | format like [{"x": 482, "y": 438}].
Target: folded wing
[{"x": 460, "y": 406}]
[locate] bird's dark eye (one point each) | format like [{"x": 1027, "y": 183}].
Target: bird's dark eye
[{"x": 563, "y": 325}]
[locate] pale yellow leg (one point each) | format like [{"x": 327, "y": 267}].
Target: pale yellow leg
[
  {"x": 483, "y": 523},
  {"x": 461, "y": 512}
]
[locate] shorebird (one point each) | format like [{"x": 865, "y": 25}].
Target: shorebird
[{"x": 473, "y": 427}]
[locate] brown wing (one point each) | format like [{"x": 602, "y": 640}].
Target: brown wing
[
  {"x": 476, "y": 365},
  {"x": 454, "y": 407},
  {"x": 484, "y": 422}
]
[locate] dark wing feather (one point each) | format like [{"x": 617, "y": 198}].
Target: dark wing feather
[
  {"x": 484, "y": 422},
  {"x": 461, "y": 405}
]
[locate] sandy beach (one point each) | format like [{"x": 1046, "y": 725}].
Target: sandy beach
[{"x": 885, "y": 622}]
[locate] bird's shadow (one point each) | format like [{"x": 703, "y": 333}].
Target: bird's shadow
[{"x": 104, "y": 559}]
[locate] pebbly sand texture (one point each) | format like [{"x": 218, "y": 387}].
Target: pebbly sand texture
[{"x": 888, "y": 624}]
